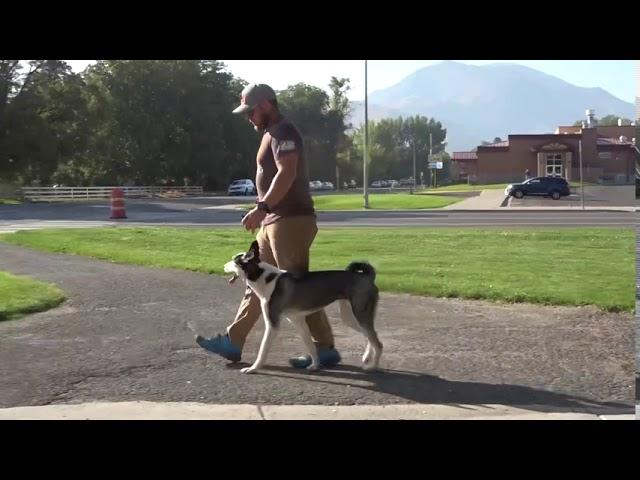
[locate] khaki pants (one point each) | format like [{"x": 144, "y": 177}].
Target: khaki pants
[{"x": 285, "y": 244}]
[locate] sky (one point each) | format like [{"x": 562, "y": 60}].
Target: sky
[{"x": 615, "y": 76}]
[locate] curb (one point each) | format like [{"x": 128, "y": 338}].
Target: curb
[
  {"x": 143, "y": 410},
  {"x": 501, "y": 208}
]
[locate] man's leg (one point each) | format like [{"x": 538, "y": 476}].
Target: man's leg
[
  {"x": 230, "y": 345},
  {"x": 290, "y": 239}
]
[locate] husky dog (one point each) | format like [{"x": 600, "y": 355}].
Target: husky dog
[{"x": 295, "y": 295}]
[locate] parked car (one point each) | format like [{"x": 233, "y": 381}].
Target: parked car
[
  {"x": 242, "y": 187},
  {"x": 408, "y": 182},
  {"x": 315, "y": 185},
  {"x": 327, "y": 186},
  {"x": 376, "y": 184},
  {"x": 554, "y": 187},
  {"x": 393, "y": 183}
]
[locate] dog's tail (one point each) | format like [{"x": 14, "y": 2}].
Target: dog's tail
[{"x": 362, "y": 267}]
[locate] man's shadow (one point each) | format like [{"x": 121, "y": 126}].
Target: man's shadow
[{"x": 430, "y": 389}]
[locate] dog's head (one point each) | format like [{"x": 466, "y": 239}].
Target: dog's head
[{"x": 245, "y": 265}]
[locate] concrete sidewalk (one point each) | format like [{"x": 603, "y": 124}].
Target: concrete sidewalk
[
  {"x": 570, "y": 208},
  {"x": 199, "y": 411},
  {"x": 487, "y": 200}
]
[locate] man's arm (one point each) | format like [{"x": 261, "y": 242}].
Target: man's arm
[
  {"x": 287, "y": 164},
  {"x": 286, "y": 158}
]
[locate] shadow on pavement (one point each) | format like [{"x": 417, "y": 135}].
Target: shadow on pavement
[{"x": 430, "y": 389}]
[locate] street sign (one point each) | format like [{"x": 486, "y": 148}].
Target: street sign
[{"x": 436, "y": 165}]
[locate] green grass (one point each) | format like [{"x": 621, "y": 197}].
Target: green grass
[
  {"x": 382, "y": 201},
  {"x": 20, "y": 295},
  {"x": 569, "y": 266},
  {"x": 9, "y": 201}
]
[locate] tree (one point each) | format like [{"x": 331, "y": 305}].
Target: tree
[
  {"x": 612, "y": 120},
  {"x": 419, "y": 131},
  {"x": 149, "y": 122},
  {"x": 391, "y": 146},
  {"x": 39, "y": 121},
  {"x": 338, "y": 101},
  {"x": 495, "y": 140},
  {"x": 339, "y": 110},
  {"x": 322, "y": 126},
  {"x": 161, "y": 121},
  {"x": 607, "y": 121},
  {"x": 12, "y": 84}
]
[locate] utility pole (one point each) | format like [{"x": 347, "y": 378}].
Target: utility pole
[
  {"x": 366, "y": 140},
  {"x": 581, "y": 182},
  {"x": 435, "y": 172},
  {"x": 414, "y": 165}
]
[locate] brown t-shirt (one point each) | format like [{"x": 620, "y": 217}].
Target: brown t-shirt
[{"x": 283, "y": 137}]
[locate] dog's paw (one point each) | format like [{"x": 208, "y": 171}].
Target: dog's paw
[
  {"x": 313, "y": 368},
  {"x": 368, "y": 354},
  {"x": 249, "y": 370},
  {"x": 370, "y": 368}
]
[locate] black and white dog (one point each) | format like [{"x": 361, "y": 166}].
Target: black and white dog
[{"x": 294, "y": 295}]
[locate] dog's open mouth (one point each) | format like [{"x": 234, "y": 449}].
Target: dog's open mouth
[{"x": 233, "y": 278}]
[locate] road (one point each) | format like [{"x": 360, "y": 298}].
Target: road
[{"x": 213, "y": 212}]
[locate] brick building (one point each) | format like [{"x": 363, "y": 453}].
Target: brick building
[{"x": 608, "y": 156}]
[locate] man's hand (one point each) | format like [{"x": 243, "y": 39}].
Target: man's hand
[{"x": 253, "y": 219}]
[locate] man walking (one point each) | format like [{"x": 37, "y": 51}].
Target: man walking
[{"x": 286, "y": 218}]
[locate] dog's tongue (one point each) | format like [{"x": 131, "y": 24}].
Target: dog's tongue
[{"x": 233, "y": 279}]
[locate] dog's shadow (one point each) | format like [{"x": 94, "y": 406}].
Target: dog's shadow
[{"x": 430, "y": 389}]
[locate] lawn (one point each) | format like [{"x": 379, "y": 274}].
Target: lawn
[
  {"x": 21, "y": 295},
  {"x": 382, "y": 201},
  {"x": 568, "y": 266}
]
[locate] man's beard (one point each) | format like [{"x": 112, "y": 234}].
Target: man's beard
[{"x": 261, "y": 125}]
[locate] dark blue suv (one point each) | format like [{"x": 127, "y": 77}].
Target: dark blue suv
[{"x": 554, "y": 187}]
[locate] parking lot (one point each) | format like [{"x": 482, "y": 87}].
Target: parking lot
[{"x": 594, "y": 196}]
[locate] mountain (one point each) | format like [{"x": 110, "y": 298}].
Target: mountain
[{"x": 477, "y": 103}]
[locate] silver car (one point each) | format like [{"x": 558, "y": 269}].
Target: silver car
[
  {"x": 242, "y": 187},
  {"x": 315, "y": 185}
]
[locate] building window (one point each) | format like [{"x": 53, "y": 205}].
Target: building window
[
  {"x": 604, "y": 155},
  {"x": 554, "y": 165}
]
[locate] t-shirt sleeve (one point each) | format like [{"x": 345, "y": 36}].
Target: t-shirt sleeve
[{"x": 284, "y": 141}]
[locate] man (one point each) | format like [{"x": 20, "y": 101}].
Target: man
[{"x": 285, "y": 215}]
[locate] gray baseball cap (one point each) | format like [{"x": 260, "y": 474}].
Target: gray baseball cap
[{"x": 254, "y": 94}]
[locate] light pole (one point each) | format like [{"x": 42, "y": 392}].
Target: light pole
[
  {"x": 414, "y": 163},
  {"x": 366, "y": 140},
  {"x": 581, "y": 178},
  {"x": 430, "y": 149}
]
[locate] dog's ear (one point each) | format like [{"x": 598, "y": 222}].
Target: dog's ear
[{"x": 254, "y": 250}]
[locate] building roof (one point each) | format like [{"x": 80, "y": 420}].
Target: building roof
[
  {"x": 545, "y": 135},
  {"x": 462, "y": 156},
  {"x": 566, "y": 129},
  {"x": 504, "y": 143},
  {"x": 607, "y": 142}
]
